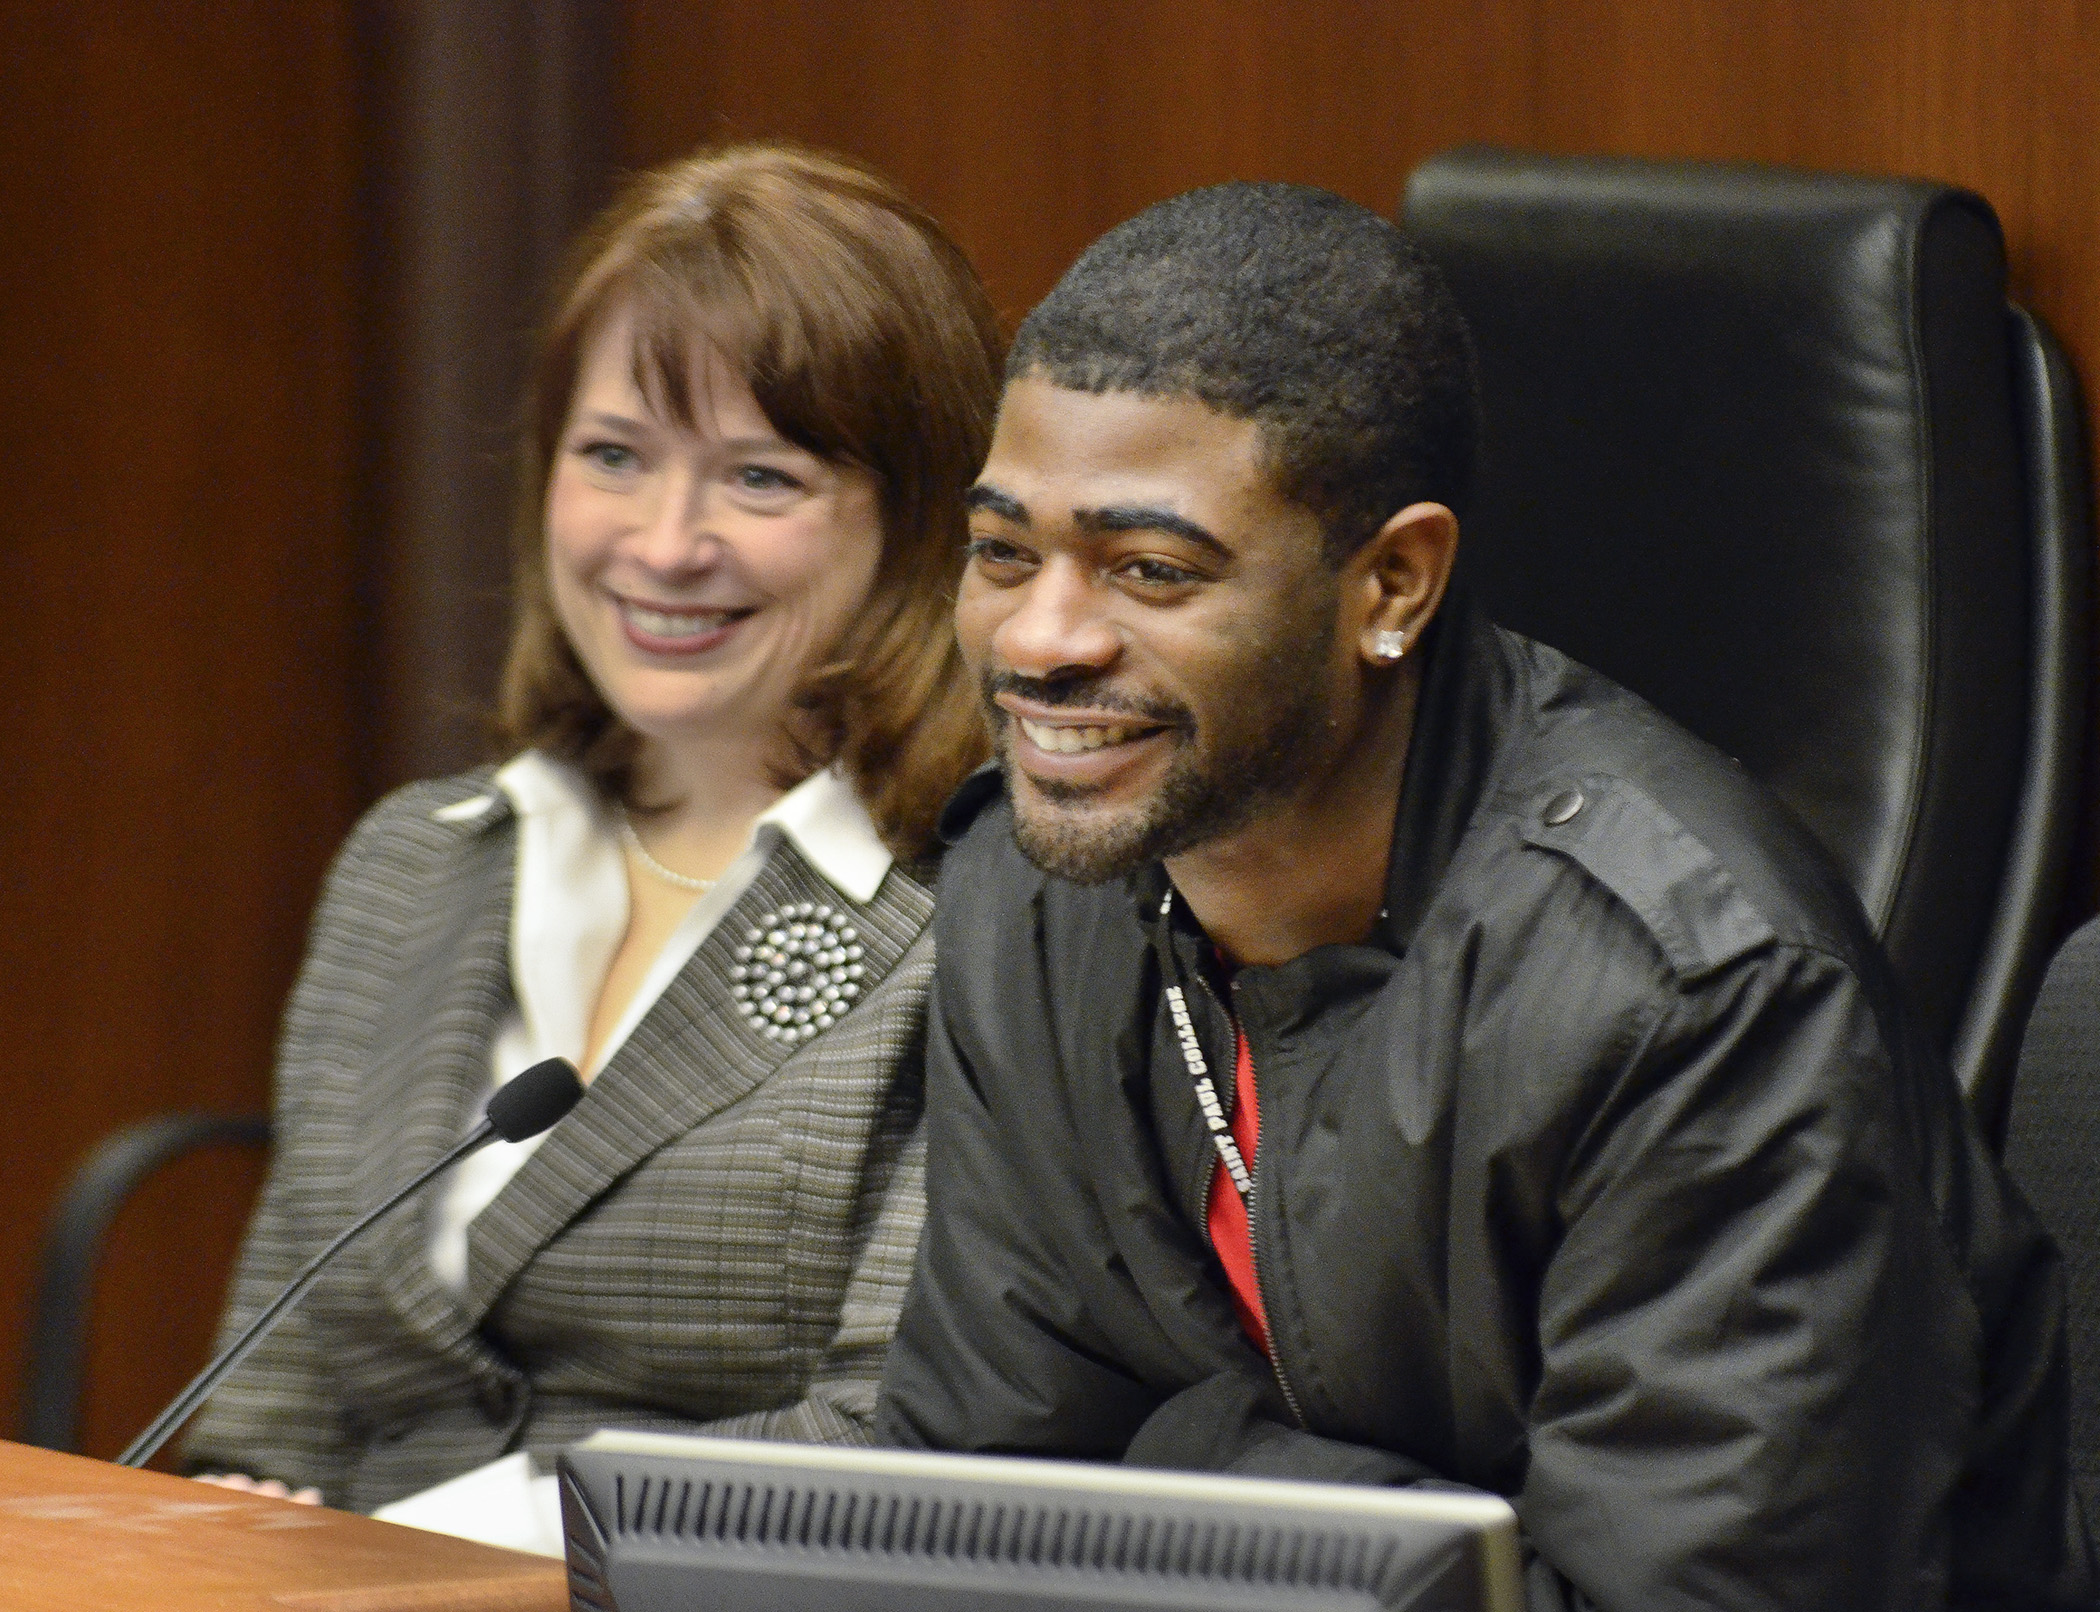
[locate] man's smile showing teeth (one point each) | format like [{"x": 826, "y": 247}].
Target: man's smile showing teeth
[{"x": 1071, "y": 741}]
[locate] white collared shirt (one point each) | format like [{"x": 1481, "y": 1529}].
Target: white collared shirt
[{"x": 569, "y": 915}]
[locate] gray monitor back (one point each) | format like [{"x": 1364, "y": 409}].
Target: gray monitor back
[{"x": 656, "y": 1523}]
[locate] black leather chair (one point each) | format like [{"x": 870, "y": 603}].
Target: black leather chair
[{"x": 1772, "y": 449}]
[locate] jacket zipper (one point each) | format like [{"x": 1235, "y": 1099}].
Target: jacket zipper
[{"x": 1283, "y": 1382}]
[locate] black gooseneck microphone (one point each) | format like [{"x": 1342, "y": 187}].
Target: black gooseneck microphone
[{"x": 523, "y": 1106}]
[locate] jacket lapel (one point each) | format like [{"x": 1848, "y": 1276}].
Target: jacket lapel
[
  {"x": 692, "y": 1055},
  {"x": 430, "y": 1072}
]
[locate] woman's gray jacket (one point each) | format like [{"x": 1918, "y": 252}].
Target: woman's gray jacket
[{"x": 717, "y": 1238}]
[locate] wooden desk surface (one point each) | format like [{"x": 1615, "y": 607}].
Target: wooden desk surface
[{"x": 84, "y": 1536}]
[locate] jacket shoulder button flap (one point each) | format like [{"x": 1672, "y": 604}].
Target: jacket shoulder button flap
[{"x": 1695, "y": 912}]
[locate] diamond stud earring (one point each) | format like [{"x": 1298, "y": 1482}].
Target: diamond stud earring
[{"x": 1389, "y": 646}]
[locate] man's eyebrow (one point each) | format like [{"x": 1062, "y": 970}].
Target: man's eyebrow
[
  {"x": 1143, "y": 518},
  {"x": 1004, "y": 505}
]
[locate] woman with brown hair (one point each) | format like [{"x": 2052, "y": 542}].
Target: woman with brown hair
[{"x": 733, "y": 707}]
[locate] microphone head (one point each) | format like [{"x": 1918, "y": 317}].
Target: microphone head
[{"x": 534, "y": 1099}]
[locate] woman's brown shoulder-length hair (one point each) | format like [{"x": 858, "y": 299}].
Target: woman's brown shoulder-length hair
[{"x": 868, "y": 340}]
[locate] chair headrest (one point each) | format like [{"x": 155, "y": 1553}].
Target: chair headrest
[{"x": 1749, "y": 449}]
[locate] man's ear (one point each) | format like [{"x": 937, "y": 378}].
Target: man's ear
[{"x": 1397, "y": 580}]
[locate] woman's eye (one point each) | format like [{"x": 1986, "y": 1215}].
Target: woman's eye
[
  {"x": 765, "y": 479},
  {"x": 613, "y": 456}
]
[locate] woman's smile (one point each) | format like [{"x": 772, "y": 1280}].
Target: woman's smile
[{"x": 658, "y": 629}]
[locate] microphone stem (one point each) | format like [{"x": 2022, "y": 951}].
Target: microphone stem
[{"x": 185, "y": 1404}]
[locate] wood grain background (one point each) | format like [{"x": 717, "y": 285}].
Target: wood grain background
[
  {"x": 1030, "y": 126},
  {"x": 178, "y": 611},
  {"x": 188, "y": 616}
]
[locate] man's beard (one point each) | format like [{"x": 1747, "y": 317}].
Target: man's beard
[{"x": 1205, "y": 792}]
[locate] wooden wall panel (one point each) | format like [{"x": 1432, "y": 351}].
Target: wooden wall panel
[
  {"x": 178, "y": 607},
  {"x": 487, "y": 143},
  {"x": 1031, "y": 127}
]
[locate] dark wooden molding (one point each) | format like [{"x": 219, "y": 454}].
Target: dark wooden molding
[{"x": 490, "y": 138}]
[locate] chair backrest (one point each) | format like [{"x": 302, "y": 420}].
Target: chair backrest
[
  {"x": 1771, "y": 449},
  {"x": 2052, "y": 1140}
]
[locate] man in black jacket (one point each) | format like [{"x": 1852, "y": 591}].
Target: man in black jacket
[{"x": 1369, "y": 1046}]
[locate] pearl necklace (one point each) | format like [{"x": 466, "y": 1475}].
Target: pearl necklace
[{"x": 633, "y": 842}]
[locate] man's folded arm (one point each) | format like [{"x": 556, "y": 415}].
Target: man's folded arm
[
  {"x": 991, "y": 1353},
  {"x": 1756, "y": 1352},
  {"x": 1234, "y": 1422}
]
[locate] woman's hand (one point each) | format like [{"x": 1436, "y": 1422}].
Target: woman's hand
[{"x": 268, "y": 1486}]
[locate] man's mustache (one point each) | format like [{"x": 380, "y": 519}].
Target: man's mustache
[{"x": 1096, "y": 694}]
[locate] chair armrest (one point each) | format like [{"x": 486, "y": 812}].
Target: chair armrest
[{"x": 86, "y": 1206}]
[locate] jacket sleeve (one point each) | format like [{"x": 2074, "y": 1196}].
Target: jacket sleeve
[
  {"x": 1235, "y": 1422},
  {"x": 839, "y": 1405},
  {"x": 993, "y": 1352},
  {"x": 283, "y": 1413},
  {"x": 1757, "y": 1350},
  {"x": 280, "y": 1415}
]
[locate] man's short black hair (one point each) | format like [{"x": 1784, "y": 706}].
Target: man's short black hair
[{"x": 1294, "y": 308}]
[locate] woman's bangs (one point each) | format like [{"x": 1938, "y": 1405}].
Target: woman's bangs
[{"x": 685, "y": 319}]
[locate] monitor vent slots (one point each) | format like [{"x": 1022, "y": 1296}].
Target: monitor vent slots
[
  {"x": 838, "y": 1517},
  {"x": 588, "y": 1591}
]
